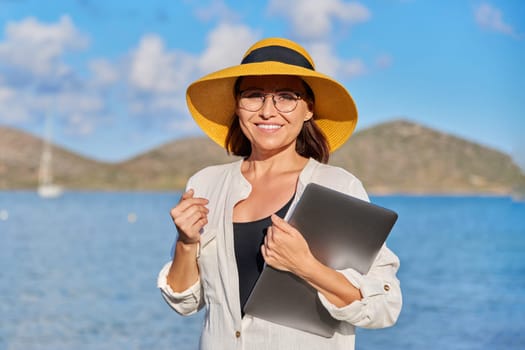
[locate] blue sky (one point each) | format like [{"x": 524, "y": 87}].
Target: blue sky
[{"x": 112, "y": 74}]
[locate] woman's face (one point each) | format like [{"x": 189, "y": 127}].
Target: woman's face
[{"x": 268, "y": 129}]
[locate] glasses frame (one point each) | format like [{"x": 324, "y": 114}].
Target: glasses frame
[{"x": 298, "y": 96}]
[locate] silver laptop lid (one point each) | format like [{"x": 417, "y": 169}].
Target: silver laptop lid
[{"x": 342, "y": 231}]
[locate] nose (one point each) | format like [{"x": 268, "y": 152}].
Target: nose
[{"x": 268, "y": 109}]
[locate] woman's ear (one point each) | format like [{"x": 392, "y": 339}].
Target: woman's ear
[{"x": 308, "y": 116}]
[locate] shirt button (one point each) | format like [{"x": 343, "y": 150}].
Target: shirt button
[
  {"x": 386, "y": 287},
  {"x": 237, "y": 334}
]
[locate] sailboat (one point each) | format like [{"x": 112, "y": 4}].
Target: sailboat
[{"x": 46, "y": 187}]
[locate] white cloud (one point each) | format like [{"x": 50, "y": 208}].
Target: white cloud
[
  {"x": 11, "y": 110},
  {"x": 73, "y": 102},
  {"x": 353, "y": 68},
  {"x": 104, "y": 72},
  {"x": 324, "y": 58},
  {"x": 315, "y": 22},
  {"x": 6, "y": 94},
  {"x": 159, "y": 76},
  {"x": 314, "y": 19},
  {"x": 157, "y": 107},
  {"x": 37, "y": 47},
  {"x": 152, "y": 67},
  {"x": 491, "y": 18},
  {"x": 79, "y": 124},
  {"x": 149, "y": 80},
  {"x": 184, "y": 126},
  {"x": 67, "y": 108},
  {"x": 327, "y": 62},
  {"x": 226, "y": 45},
  {"x": 37, "y": 81}
]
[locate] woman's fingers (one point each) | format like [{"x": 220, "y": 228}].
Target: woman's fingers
[
  {"x": 190, "y": 221},
  {"x": 186, "y": 204},
  {"x": 190, "y": 215},
  {"x": 284, "y": 247},
  {"x": 264, "y": 253},
  {"x": 187, "y": 201},
  {"x": 186, "y": 195},
  {"x": 268, "y": 237},
  {"x": 282, "y": 225}
]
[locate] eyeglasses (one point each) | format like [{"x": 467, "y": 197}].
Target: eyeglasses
[{"x": 253, "y": 100}]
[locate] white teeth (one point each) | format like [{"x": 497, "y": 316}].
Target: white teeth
[{"x": 269, "y": 126}]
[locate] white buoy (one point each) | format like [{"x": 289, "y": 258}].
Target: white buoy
[
  {"x": 132, "y": 218},
  {"x": 4, "y": 215}
]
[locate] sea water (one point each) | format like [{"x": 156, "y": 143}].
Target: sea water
[{"x": 79, "y": 272}]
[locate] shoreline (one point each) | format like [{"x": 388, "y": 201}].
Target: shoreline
[{"x": 371, "y": 193}]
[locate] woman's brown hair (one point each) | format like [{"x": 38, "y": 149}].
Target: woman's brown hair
[{"x": 311, "y": 141}]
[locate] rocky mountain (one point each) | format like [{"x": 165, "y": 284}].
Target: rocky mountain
[
  {"x": 401, "y": 156},
  {"x": 393, "y": 157}
]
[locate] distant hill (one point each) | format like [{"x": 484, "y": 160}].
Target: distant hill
[
  {"x": 393, "y": 157},
  {"x": 169, "y": 166},
  {"x": 402, "y": 156},
  {"x": 20, "y": 154}
]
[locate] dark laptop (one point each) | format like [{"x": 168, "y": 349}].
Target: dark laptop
[{"x": 342, "y": 231}]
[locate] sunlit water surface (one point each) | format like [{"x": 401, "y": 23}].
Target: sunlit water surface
[{"x": 79, "y": 272}]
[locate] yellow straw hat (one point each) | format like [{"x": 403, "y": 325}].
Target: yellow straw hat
[{"x": 212, "y": 103}]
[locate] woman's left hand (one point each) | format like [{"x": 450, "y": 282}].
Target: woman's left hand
[{"x": 285, "y": 248}]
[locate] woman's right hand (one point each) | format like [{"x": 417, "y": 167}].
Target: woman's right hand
[{"x": 190, "y": 215}]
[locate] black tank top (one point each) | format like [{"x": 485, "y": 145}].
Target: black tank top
[{"x": 248, "y": 238}]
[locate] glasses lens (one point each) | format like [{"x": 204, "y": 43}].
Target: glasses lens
[
  {"x": 253, "y": 100},
  {"x": 285, "y": 101}
]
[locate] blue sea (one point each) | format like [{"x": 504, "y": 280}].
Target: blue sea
[{"x": 79, "y": 272}]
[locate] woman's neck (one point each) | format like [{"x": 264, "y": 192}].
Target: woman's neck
[{"x": 256, "y": 165}]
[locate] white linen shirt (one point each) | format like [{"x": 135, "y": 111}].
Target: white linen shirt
[{"x": 218, "y": 287}]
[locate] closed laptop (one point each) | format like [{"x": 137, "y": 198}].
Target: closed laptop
[{"x": 342, "y": 232}]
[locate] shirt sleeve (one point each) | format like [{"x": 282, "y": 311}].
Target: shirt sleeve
[
  {"x": 382, "y": 300},
  {"x": 186, "y": 302}
]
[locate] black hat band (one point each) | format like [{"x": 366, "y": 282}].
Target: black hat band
[{"x": 279, "y": 54}]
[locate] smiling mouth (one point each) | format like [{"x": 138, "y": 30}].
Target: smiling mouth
[{"x": 269, "y": 126}]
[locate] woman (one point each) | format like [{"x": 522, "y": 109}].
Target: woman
[{"x": 284, "y": 119}]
